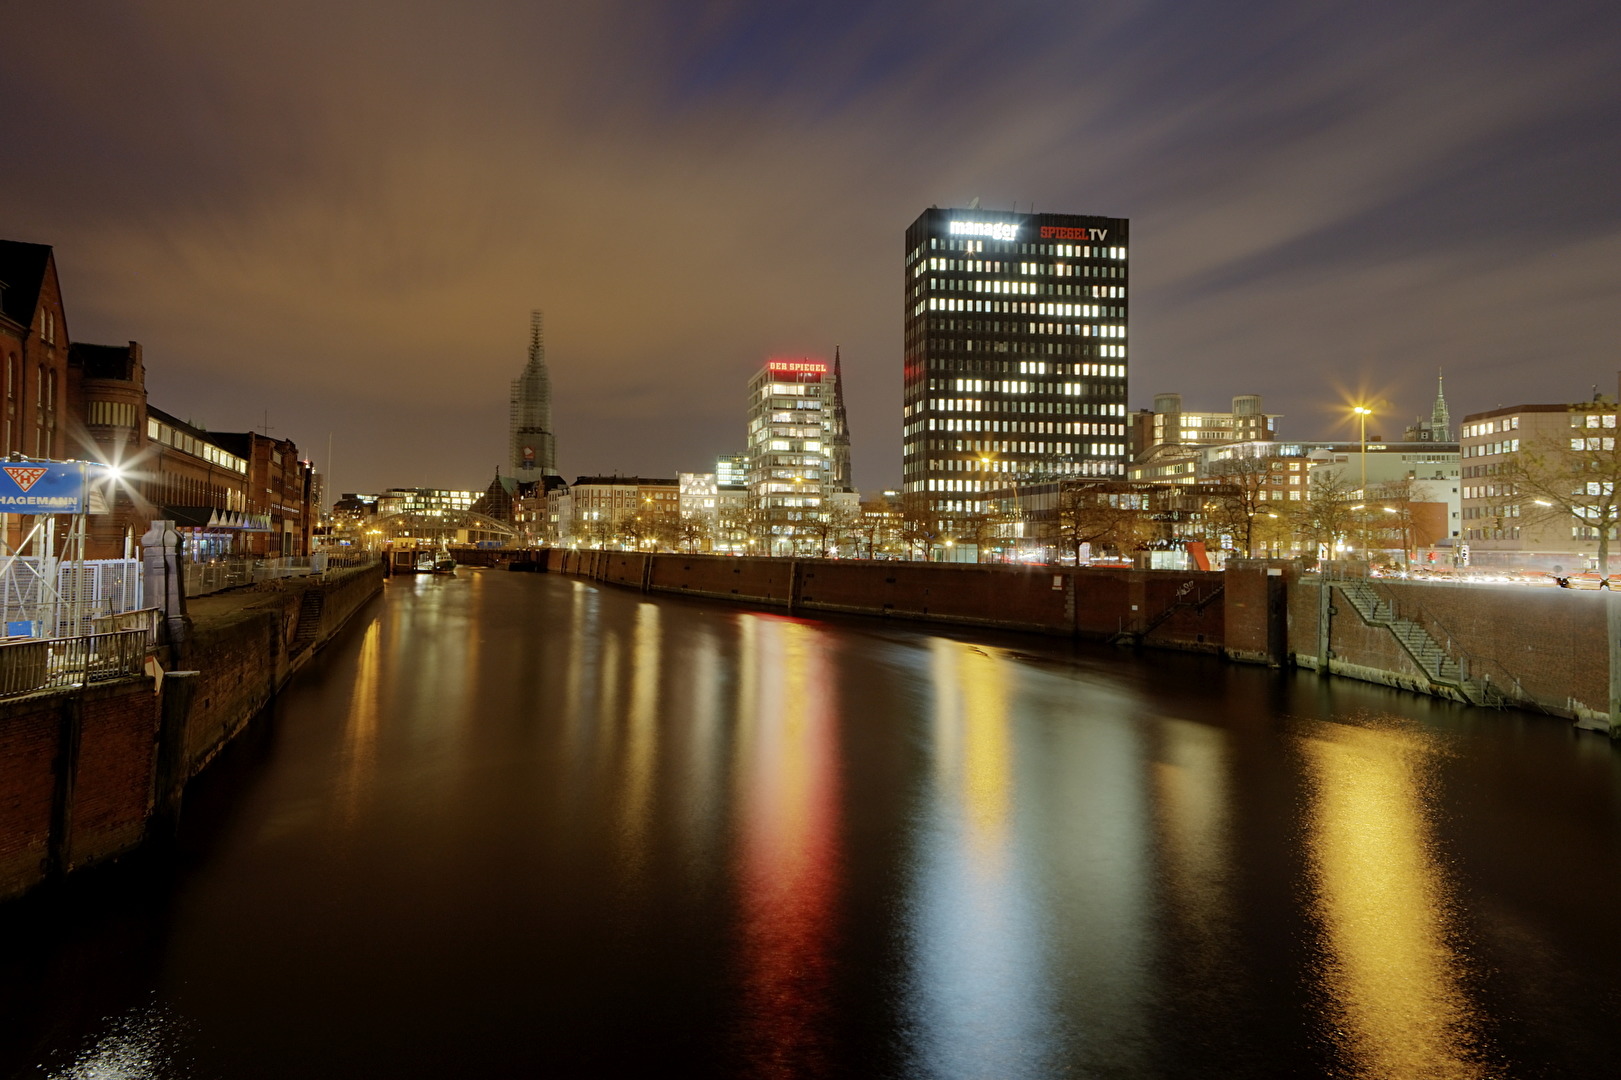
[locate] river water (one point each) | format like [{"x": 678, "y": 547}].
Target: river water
[{"x": 517, "y": 825}]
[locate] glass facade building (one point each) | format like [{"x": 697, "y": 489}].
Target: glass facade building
[
  {"x": 790, "y": 416},
  {"x": 1015, "y": 352}
]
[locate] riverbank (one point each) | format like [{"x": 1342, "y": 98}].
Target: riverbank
[
  {"x": 90, "y": 773},
  {"x": 1552, "y": 651}
]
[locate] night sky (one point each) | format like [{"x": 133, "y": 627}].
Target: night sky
[{"x": 337, "y": 216}]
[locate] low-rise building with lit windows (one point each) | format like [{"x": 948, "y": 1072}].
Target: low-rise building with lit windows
[
  {"x": 1507, "y": 528},
  {"x": 629, "y": 512},
  {"x": 1167, "y": 441}
]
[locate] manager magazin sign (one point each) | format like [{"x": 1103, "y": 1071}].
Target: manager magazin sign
[{"x": 42, "y": 487}]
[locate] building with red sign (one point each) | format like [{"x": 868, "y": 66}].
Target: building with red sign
[
  {"x": 1015, "y": 352},
  {"x": 790, "y": 470}
]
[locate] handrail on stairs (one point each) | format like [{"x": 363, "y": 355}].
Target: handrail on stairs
[{"x": 1474, "y": 666}]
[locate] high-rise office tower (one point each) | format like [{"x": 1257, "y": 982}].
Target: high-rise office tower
[
  {"x": 789, "y": 418},
  {"x": 1015, "y": 352},
  {"x": 533, "y": 446}
]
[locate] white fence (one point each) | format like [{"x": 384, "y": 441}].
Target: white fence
[{"x": 55, "y": 598}]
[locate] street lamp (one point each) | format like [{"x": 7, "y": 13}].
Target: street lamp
[{"x": 1362, "y": 414}]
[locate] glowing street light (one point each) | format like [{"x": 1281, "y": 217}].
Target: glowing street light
[{"x": 1362, "y": 414}]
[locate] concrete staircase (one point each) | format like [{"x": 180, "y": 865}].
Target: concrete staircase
[
  {"x": 1441, "y": 668},
  {"x": 309, "y": 620}
]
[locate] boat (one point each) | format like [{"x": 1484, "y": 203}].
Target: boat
[{"x": 443, "y": 563}]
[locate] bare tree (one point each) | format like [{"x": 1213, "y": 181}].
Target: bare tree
[
  {"x": 876, "y": 525},
  {"x": 1573, "y": 477},
  {"x": 693, "y": 533},
  {"x": 1104, "y": 515},
  {"x": 919, "y": 525},
  {"x": 1239, "y": 498},
  {"x": 1324, "y": 516},
  {"x": 1389, "y": 515}
]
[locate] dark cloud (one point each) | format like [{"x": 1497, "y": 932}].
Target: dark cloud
[{"x": 339, "y": 215}]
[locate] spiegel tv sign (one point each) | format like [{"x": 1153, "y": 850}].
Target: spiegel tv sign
[{"x": 42, "y": 487}]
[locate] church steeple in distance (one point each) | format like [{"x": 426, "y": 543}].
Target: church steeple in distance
[
  {"x": 1440, "y": 418},
  {"x": 533, "y": 449},
  {"x": 839, "y": 437}
]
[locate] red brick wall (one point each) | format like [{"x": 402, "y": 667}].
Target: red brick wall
[
  {"x": 762, "y": 581},
  {"x": 242, "y": 659},
  {"x": 112, "y": 789},
  {"x": 1555, "y": 641},
  {"x": 28, "y": 747},
  {"x": 112, "y": 783},
  {"x": 1093, "y": 603}
]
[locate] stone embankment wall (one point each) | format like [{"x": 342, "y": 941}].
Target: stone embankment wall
[
  {"x": 1165, "y": 608},
  {"x": 1547, "y": 649},
  {"x": 246, "y": 652},
  {"x": 83, "y": 772}
]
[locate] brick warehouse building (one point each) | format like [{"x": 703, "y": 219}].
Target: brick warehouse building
[
  {"x": 72, "y": 400},
  {"x": 34, "y": 348}
]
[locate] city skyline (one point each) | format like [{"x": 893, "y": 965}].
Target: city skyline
[{"x": 348, "y": 238}]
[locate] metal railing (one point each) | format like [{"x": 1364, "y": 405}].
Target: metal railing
[
  {"x": 212, "y": 577},
  {"x": 1474, "y": 668},
  {"x": 61, "y": 663}
]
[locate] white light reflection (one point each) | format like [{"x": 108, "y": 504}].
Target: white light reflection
[
  {"x": 978, "y": 990},
  {"x": 143, "y": 1044}
]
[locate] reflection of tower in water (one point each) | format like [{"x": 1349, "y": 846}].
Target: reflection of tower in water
[{"x": 788, "y": 800}]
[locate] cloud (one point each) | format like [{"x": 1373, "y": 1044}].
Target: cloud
[{"x": 345, "y": 212}]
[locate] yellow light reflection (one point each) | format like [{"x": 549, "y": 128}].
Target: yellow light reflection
[
  {"x": 360, "y": 733},
  {"x": 972, "y": 743},
  {"x": 641, "y": 743},
  {"x": 1392, "y": 974}
]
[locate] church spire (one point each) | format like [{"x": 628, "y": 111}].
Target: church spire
[
  {"x": 839, "y": 435},
  {"x": 1440, "y": 418},
  {"x": 533, "y": 447}
]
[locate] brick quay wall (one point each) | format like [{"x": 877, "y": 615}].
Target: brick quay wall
[
  {"x": 1545, "y": 649},
  {"x": 1165, "y": 608},
  {"x": 88, "y": 774}
]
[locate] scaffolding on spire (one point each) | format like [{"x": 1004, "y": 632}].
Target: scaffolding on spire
[{"x": 533, "y": 447}]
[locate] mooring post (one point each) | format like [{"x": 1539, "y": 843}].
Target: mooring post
[
  {"x": 164, "y": 578},
  {"x": 1612, "y": 621},
  {"x": 1324, "y": 610},
  {"x": 171, "y": 769}
]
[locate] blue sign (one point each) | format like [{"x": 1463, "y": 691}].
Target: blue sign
[{"x": 42, "y": 487}]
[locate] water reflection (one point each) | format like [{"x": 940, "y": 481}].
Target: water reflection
[
  {"x": 1192, "y": 809},
  {"x": 641, "y": 738},
  {"x": 1392, "y": 975},
  {"x": 147, "y": 1043},
  {"x": 978, "y": 987},
  {"x": 788, "y": 845},
  {"x": 360, "y": 728}
]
